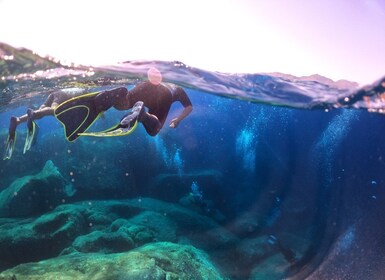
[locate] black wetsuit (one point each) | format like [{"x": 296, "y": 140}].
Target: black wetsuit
[{"x": 157, "y": 98}]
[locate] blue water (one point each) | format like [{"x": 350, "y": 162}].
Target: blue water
[{"x": 260, "y": 155}]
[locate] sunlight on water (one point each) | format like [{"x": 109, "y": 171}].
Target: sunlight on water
[
  {"x": 252, "y": 134},
  {"x": 171, "y": 156},
  {"x": 331, "y": 138},
  {"x": 347, "y": 239},
  {"x": 245, "y": 148}
]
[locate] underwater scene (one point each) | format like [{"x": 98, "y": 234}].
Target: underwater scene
[{"x": 270, "y": 176}]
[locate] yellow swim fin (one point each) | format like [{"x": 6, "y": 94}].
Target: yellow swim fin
[{"x": 77, "y": 115}]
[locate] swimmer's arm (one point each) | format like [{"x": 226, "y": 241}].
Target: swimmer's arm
[{"x": 186, "y": 111}]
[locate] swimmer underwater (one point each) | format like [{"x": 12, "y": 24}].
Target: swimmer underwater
[{"x": 78, "y": 112}]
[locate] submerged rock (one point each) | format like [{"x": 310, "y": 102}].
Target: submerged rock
[
  {"x": 162, "y": 227},
  {"x": 106, "y": 227},
  {"x": 82, "y": 233},
  {"x": 27, "y": 240},
  {"x": 253, "y": 251},
  {"x": 274, "y": 267},
  {"x": 35, "y": 194},
  {"x": 104, "y": 242},
  {"x": 160, "y": 260}
]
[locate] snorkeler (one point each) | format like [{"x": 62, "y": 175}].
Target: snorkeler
[{"x": 78, "y": 113}]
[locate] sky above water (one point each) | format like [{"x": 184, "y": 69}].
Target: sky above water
[{"x": 340, "y": 39}]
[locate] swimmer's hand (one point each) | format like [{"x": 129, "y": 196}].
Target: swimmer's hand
[{"x": 174, "y": 123}]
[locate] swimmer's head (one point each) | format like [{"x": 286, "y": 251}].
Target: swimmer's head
[{"x": 154, "y": 76}]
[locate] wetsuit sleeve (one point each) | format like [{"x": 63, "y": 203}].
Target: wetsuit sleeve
[{"x": 181, "y": 96}]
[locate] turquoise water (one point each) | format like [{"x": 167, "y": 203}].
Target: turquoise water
[{"x": 270, "y": 177}]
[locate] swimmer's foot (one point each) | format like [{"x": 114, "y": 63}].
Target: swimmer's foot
[
  {"x": 32, "y": 130},
  {"x": 135, "y": 114},
  {"x": 30, "y": 114},
  {"x": 10, "y": 144},
  {"x": 13, "y": 124}
]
